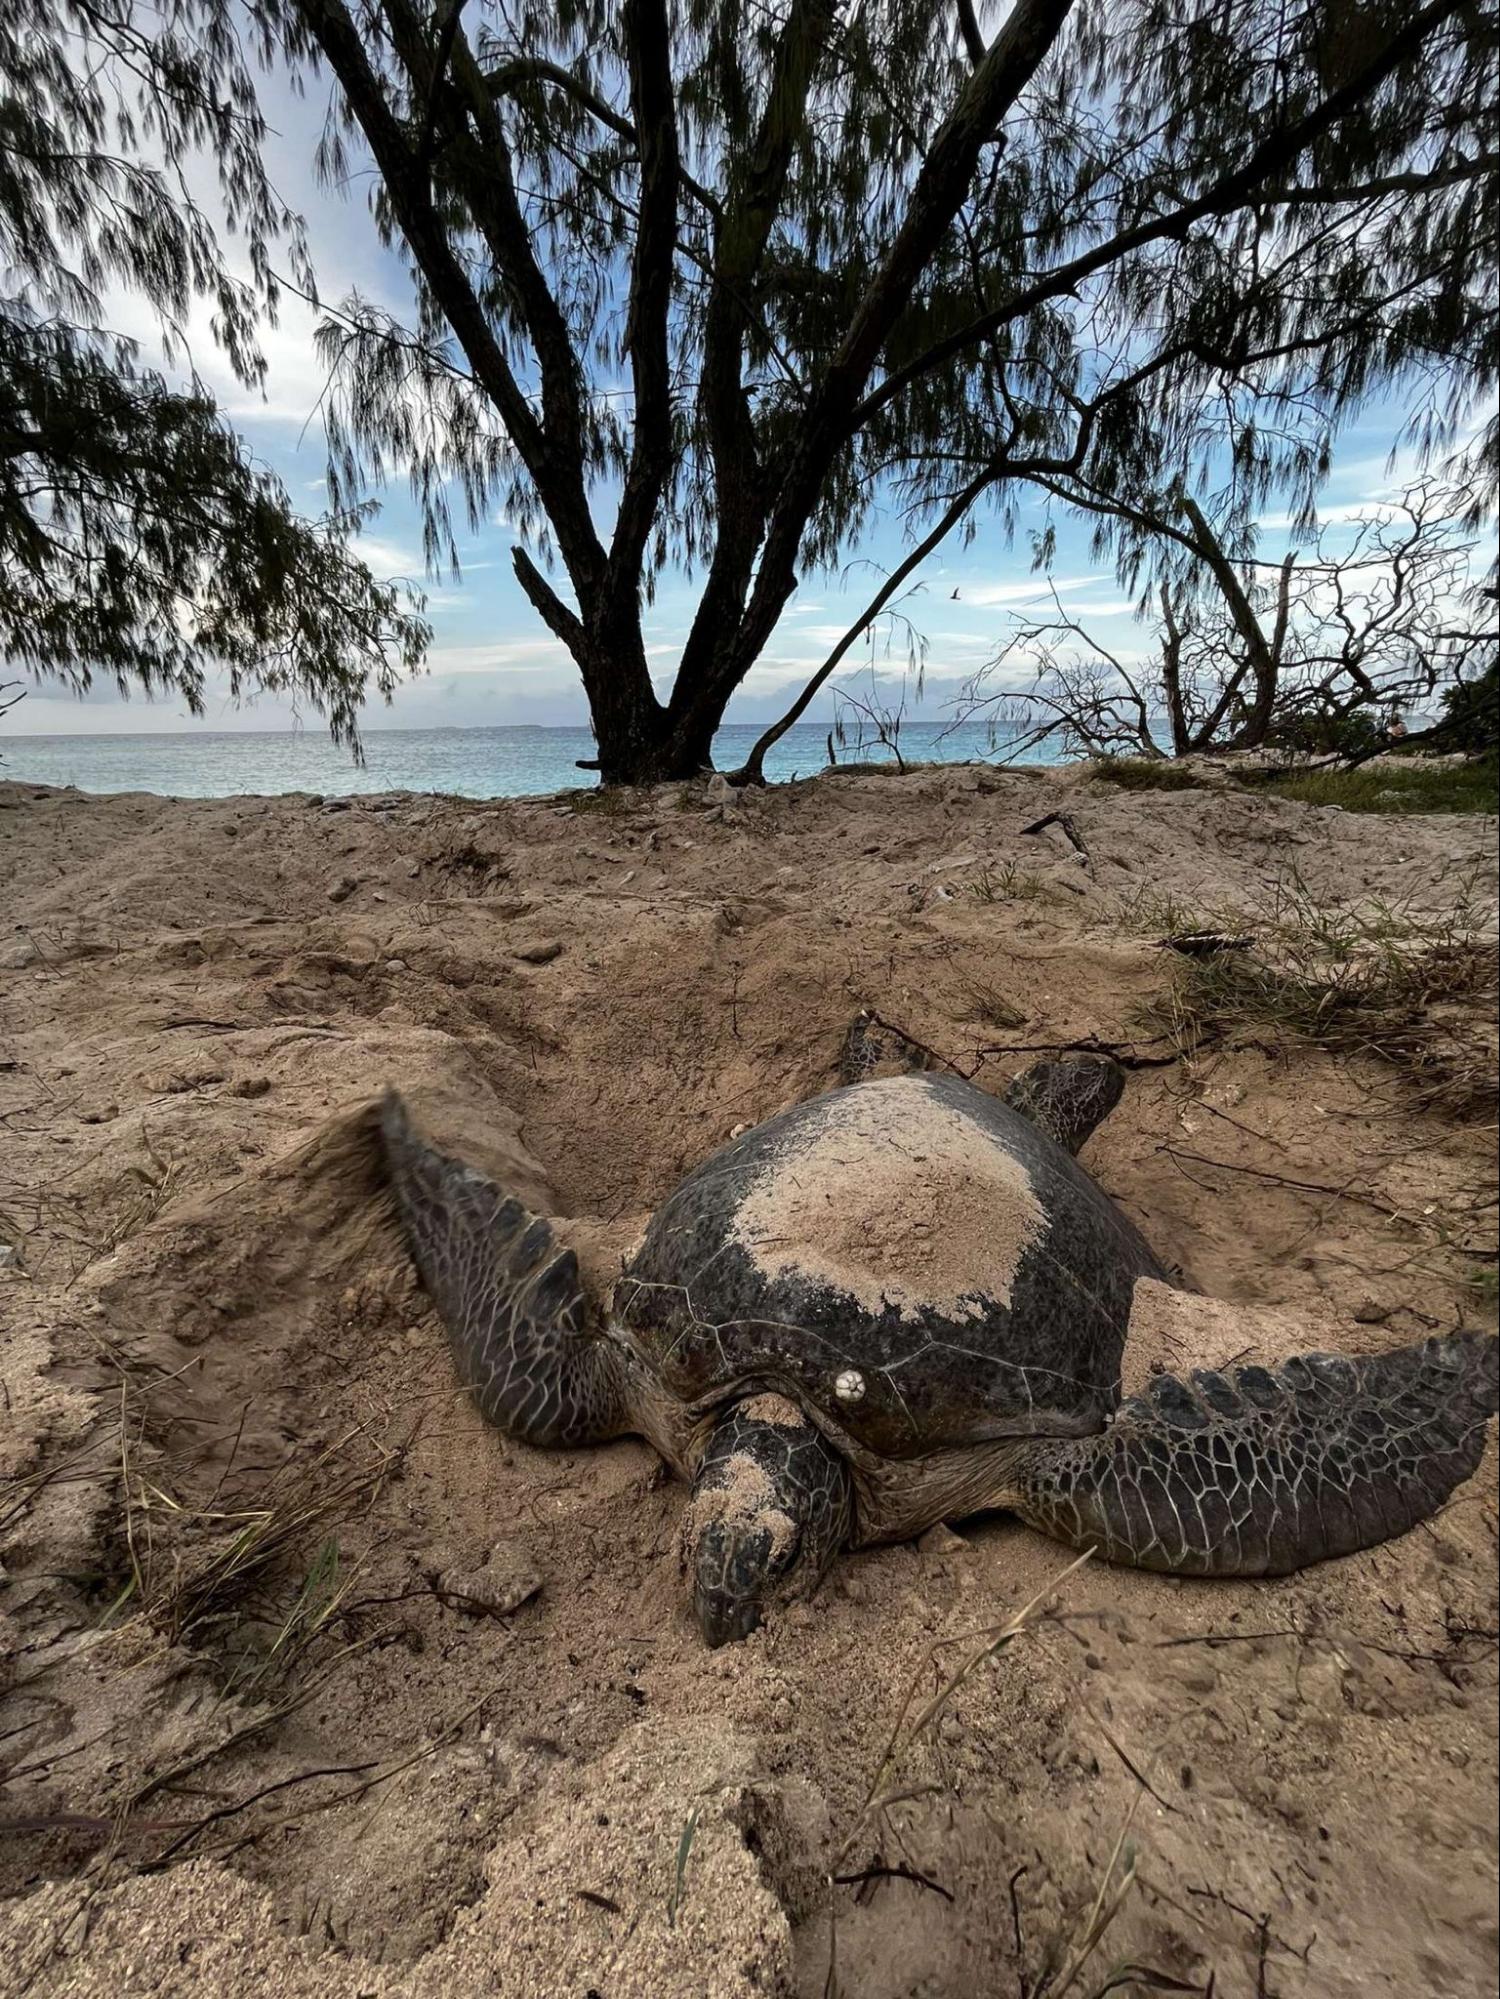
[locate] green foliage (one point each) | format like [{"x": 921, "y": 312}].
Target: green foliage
[
  {"x": 731, "y": 278},
  {"x": 1471, "y": 714},
  {"x": 138, "y": 541},
  {"x": 1144, "y": 774},
  {"x": 1413, "y": 785},
  {"x": 1350, "y": 735}
]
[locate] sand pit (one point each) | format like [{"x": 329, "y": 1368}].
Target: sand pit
[{"x": 316, "y": 1687}]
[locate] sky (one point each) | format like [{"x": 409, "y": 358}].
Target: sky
[{"x": 491, "y": 661}]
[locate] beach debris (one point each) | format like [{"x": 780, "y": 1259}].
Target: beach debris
[
  {"x": 941, "y": 1540},
  {"x": 1065, "y": 824},
  {"x": 1370, "y": 1312},
  {"x": 1204, "y": 943}
]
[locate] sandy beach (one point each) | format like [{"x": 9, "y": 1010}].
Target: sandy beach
[{"x": 315, "y": 1686}]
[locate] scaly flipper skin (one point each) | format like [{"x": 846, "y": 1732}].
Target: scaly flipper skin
[
  {"x": 772, "y": 1505},
  {"x": 1068, "y": 1099},
  {"x": 517, "y": 1316},
  {"x": 1258, "y": 1473}
]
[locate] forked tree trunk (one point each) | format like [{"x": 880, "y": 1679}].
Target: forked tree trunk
[
  {"x": 640, "y": 739},
  {"x": 649, "y": 750}
]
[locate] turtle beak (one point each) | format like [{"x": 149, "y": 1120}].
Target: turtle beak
[
  {"x": 724, "y": 1620},
  {"x": 733, "y": 1567}
]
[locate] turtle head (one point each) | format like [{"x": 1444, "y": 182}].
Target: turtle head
[{"x": 772, "y": 1505}]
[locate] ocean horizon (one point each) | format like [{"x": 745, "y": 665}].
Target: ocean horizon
[{"x": 515, "y": 761}]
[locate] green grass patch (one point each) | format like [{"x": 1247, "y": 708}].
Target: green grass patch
[
  {"x": 1407, "y": 787},
  {"x": 1423, "y": 1009},
  {"x": 1145, "y": 774},
  {"x": 1010, "y": 882}
]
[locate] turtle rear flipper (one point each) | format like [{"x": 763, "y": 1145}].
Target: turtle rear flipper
[
  {"x": 1261, "y": 1473},
  {"x": 518, "y": 1317},
  {"x": 1069, "y": 1098}
]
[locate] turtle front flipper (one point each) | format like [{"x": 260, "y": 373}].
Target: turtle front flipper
[
  {"x": 1260, "y": 1473},
  {"x": 521, "y": 1325}
]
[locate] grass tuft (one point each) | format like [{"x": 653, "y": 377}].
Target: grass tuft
[
  {"x": 1144, "y": 774},
  {"x": 218, "y": 1571},
  {"x": 1008, "y": 881},
  {"x": 609, "y": 801},
  {"x": 991, "y": 1008},
  {"x": 1159, "y": 913},
  {"x": 1424, "y": 1007},
  {"x": 679, "y": 1869},
  {"x": 1405, "y": 787}
]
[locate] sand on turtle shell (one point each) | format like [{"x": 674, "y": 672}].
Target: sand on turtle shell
[{"x": 894, "y": 1197}]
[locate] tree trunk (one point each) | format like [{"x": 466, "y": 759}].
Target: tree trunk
[
  {"x": 1263, "y": 662},
  {"x": 638, "y": 751},
  {"x": 640, "y": 740}
]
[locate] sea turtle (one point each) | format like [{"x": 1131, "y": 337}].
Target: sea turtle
[{"x": 903, "y": 1302}]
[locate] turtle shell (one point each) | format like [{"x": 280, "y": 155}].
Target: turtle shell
[{"x": 909, "y": 1257}]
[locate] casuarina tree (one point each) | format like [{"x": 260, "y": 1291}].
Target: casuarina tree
[
  {"x": 138, "y": 539},
  {"x": 702, "y": 283}
]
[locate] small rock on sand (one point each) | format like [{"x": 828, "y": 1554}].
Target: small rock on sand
[
  {"x": 941, "y": 1540},
  {"x": 1371, "y": 1313}
]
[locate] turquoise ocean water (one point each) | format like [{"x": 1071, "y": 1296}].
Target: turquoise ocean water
[{"x": 473, "y": 763}]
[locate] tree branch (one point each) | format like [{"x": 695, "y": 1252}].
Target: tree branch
[
  {"x": 752, "y": 771},
  {"x": 757, "y": 189},
  {"x": 968, "y": 26},
  {"x": 534, "y": 69},
  {"x": 1278, "y": 151},
  {"x": 447, "y": 29},
  {"x": 941, "y": 186},
  {"x": 427, "y": 234},
  {"x": 648, "y": 40},
  {"x": 553, "y": 612},
  {"x": 1210, "y": 550}
]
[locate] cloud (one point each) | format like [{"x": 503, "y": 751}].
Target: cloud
[
  {"x": 503, "y": 656},
  {"x": 389, "y": 559},
  {"x": 986, "y": 595}
]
